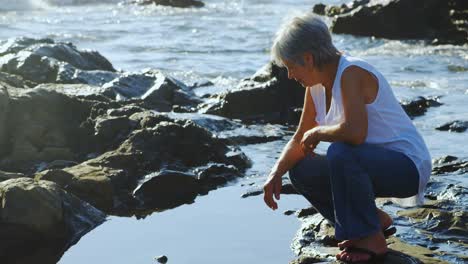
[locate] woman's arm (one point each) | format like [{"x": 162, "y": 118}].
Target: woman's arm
[
  {"x": 291, "y": 154},
  {"x": 353, "y": 129}
]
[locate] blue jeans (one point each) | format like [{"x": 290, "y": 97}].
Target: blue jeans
[{"x": 343, "y": 185}]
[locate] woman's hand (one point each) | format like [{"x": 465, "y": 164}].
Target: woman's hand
[
  {"x": 310, "y": 140},
  {"x": 272, "y": 186}
]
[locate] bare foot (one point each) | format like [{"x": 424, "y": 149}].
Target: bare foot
[
  {"x": 385, "y": 221},
  {"x": 375, "y": 243}
]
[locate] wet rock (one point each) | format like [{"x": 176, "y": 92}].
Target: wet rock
[
  {"x": 315, "y": 242},
  {"x": 154, "y": 88},
  {"x": 449, "y": 164},
  {"x": 439, "y": 223},
  {"x": 167, "y": 189},
  {"x": 289, "y": 212},
  {"x": 161, "y": 259},
  {"x": 4, "y": 110},
  {"x": 442, "y": 22},
  {"x": 286, "y": 188},
  {"x": 38, "y": 214},
  {"x": 254, "y": 134},
  {"x": 454, "y": 126},
  {"x": 44, "y": 126},
  {"x": 201, "y": 84},
  {"x": 215, "y": 175},
  {"x": 15, "y": 80},
  {"x": 306, "y": 212},
  {"x": 174, "y": 3},
  {"x": 108, "y": 181},
  {"x": 4, "y": 175},
  {"x": 418, "y": 106},
  {"x": 149, "y": 119},
  {"x": 214, "y": 124},
  {"x": 44, "y": 61},
  {"x": 113, "y": 130},
  {"x": 268, "y": 96}
]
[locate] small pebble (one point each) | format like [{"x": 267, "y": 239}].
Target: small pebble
[
  {"x": 161, "y": 259},
  {"x": 289, "y": 212}
]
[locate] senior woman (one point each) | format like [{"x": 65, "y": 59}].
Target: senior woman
[{"x": 376, "y": 150}]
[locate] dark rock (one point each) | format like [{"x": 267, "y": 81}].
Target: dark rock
[
  {"x": 286, "y": 188},
  {"x": 441, "y": 224},
  {"x": 154, "y": 88},
  {"x": 455, "y": 126},
  {"x": 442, "y": 22},
  {"x": 38, "y": 215},
  {"x": 4, "y": 110},
  {"x": 215, "y": 175},
  {"x": 268, "y": 96},
  {"x": 167, "y": 189},
  {"x": 443, "y": 160},
  {"x": 174, "y": 3},
  {"x": 201, "y": 84},
  {"x": 289, "y": 212},
  {"x": 306, "y": 212},
  {"x": 161, "y": 259},
  {"x": 44, "y": 61},
  {"x": 450, "y": 165},
  {"x": 15, "y": 80},
  {"x": 418, "y": 106},
  {"x": 319, "y": 9},
  {"x": 44, "y": 126},
  {"x": 108, "y": 181}
]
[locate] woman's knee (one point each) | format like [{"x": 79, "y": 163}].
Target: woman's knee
[{"x": 337, "y": 150}]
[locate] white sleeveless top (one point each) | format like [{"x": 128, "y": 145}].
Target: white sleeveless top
[{"x": 388, "y": 124}]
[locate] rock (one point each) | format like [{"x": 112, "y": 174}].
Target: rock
[
  {"x": 44, "y": 126},
  {"x": 161, "y": 259},
  {"x": 306, "y": 212},
  {"x": 442, "y": 22},
  {"x": 44, "y": 61},
  {"x": 449, "y": 164},
  {"x": 10, "y": 175},
  {"x": 443, "y": 160},
  {"x": 174, "y": 3},
  {"x": 154, "y": 88},
  {"x": 214, "y": 175},
  {"x": 315, "y": 243},
  {"x": 418, "y": 106},
  {"x": 268, "y": 96},
  {"x": 286, "y": 188},
  {"x": 38, "y": 213},
  {"x": 4, "y": 110},
  {"x": 167, "y": 189},
  {"x": 440, "y": 225},
  {"x": 254, "y": 134},
  {"x": 145, "y": 159},
  {"x": 15, "y": 80},
  {"x": 455, "y": 126},
  {"x": 289, "y": 212}
]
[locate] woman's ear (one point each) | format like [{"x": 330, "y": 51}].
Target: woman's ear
[{"x": 308, "y": 59}]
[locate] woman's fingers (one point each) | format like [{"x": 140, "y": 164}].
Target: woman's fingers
[{"x": 268, "y": 196}]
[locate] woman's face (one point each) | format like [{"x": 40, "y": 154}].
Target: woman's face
[{"x": 304, "y": 74}]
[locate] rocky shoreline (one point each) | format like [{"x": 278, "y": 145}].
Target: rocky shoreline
[{"x": 81, "y": 140}]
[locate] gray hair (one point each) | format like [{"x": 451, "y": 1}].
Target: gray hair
[{"x": 305, "y": 33}]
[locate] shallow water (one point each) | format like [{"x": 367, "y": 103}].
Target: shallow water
[{"x": 225, "y": 42}]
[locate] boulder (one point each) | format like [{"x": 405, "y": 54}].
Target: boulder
[
  {"x": 174, "y": 3},
  {"x": 442, "y": 22},
  {"x": 418, "y": 106},
  {"x": 167, "y": 189},
  {"x": 157, "y": 90},
  {"x": 44, "y": 61},
  {"x": 112, "y": 180},
  {"x": 39, "y": 214},
  {"x": 45, "y": 125},
  {"x": 268, "y": 96},
  {"x": 454, "y": 126},
  {"x": 4, "y": 110}
]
